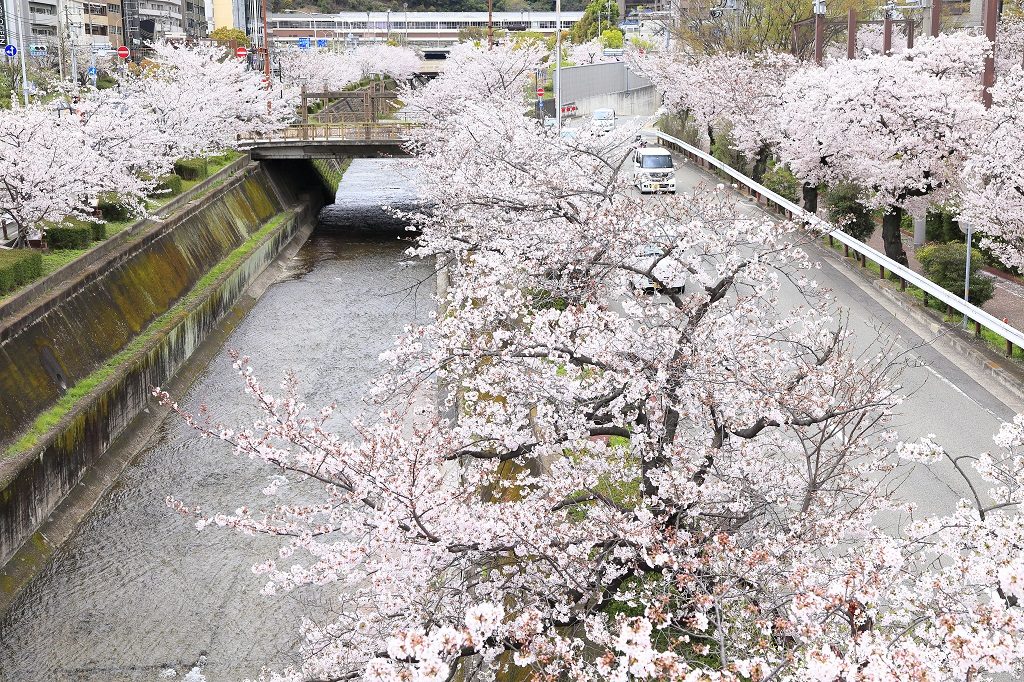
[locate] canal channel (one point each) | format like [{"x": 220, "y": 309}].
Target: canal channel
[{"x": 137, "y": 591}]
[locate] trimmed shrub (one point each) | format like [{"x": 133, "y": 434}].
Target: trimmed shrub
[
  {"x": 722, "y": 149},
  {"x": 192, "y": 169},
  {"x": 941, "y": 227},
  {"x": 112, "y": 209},
  {"x": 72, "y": 234},
  {"x": 99, "y": 231},
  {"x": 168, "y": 185},
  {"x": 779, "y": 179},
  {"x": 846, "y": 212},
  {"x": 19, "y": 267},
  {"x": 944, "y": 264}
]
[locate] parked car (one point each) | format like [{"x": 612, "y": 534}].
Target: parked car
[
  {"x": 671, "y": 274},
  {"x": 654, "y": 170},
  {"x": 603, "y": 119}
]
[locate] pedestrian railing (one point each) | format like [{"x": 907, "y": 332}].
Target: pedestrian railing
[
  {"x": 349, "y": 131},
  {"x": 760, "y": 193}
]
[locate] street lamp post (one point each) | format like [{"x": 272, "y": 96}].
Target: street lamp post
[{"x": 967, "y": 229}]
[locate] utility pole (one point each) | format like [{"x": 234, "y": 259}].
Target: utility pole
[
  {"x": 819, "y": 31},
  {"x": 71, "y": 47},
  {"x": 24, "y": 46},
  {"x": 936, "y": 18},
  {"x": 851, "y": 34},
  {"x": 558, "y": 65},
  {"x": 490, "y": 24},
  {"x": 989, "y": 14},
  {"x": 266, "y": 42}
]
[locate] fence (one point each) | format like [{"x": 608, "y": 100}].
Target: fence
[
  {"x": 979, "y": 317},
  {"x": 356, "y": 132}
]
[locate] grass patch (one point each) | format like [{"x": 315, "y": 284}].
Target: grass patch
[
  {"x": 58, "y": 258},
  {"x": 49, "y": 419},
  {"x": 938, "y": 308}
]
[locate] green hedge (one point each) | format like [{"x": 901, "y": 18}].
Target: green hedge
[
  {"x": 70, "y": 235},
  {"x": 846, "y": 211},
  {"x": 99, "y": 231},
  {"x": 168, "y": 185},
  {"x": 945, "y": 264},
  {"x": 19, "y": 267},
  {"x": 112, "y": 209},
  {"x": 779, "y": 179},
  {"x": 192, "y": 169}
]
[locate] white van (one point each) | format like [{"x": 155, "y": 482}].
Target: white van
[
  {"x": 654, "y": 170},
  {"x": 603, "y": 119}
]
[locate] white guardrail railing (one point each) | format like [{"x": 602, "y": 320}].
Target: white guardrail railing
[{"x": 1012, "y": 335}]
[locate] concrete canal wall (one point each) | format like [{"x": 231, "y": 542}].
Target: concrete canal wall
[{"x": 77, "y": 363}]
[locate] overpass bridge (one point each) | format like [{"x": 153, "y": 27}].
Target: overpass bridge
[{"x": 353, "y": 139}]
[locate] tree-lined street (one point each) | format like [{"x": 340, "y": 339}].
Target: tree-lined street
[{"x": 672, "y": 437}]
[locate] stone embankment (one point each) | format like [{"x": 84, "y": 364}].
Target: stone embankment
[{"x": 78, "y": 357}]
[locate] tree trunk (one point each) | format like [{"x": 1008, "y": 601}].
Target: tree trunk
[
  {"x": 891, "y": 235},
  {"x": 761, "y": 163},
  {"x": 810, "y": 198}
]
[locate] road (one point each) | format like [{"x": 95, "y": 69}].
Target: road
[{"x": 942, "y": 395}]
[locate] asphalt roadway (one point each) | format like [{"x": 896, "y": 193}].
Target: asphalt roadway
[{"x": 946, "y": 395}]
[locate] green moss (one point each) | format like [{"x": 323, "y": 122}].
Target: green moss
[
  {"x": 331, "y": 171},
  {"x": 48, "y": 420}
]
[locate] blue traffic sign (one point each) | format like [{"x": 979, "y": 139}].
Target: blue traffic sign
[
  {"x": 92, "y": 70},
  {"x": 303, "y": 43},
  {"x": 321, "y": 42},
  {"x": 10, "y": 50}
]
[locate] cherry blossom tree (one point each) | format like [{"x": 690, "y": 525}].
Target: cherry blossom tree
[
  {"x": 381, "y": 59},
  {"x": 900, "y": 126},
  {"x": 203, "y": 99},
  {"x": 631, "y": 487},
  {"x": 590, "y": 52},
  {"x": 47, "y": 170},
  {"x": 319, "y": 68},
  {"x": 993, "y": 196},
  {"x": 738, "y": 91}
]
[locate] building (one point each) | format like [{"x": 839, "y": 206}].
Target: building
[
  {"x": 31, "y": 25},
  {"x": 414, "y": 28},
  {"x": 96, "y": 23},
  {"x": 149, "y": 20}
]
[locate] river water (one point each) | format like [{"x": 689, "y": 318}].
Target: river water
[{"x": 137, "y": 590}]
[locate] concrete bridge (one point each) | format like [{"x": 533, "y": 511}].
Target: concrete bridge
[{"x": 353, "y": 139}]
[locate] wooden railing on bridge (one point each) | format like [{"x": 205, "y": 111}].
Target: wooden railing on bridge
[{"x": 352, "y": 131}]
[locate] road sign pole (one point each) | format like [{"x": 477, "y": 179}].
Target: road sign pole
[{"x": 558, "y": 65}]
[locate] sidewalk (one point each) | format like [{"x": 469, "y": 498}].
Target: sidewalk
[{"x": 1008, "y": 301}]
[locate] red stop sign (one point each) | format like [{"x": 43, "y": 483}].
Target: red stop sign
[
  {"x": 540, "y": 92},
  {"x": 123, "y": 52},
  {"x": 241, "y": 52}
]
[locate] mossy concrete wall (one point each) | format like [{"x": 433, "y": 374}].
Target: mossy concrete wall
[{"x": 94, "y": 318}]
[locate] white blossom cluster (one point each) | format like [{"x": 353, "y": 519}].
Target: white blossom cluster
[
  {"x": 909, "y": 129},
  {"x": 185, "y": 102},
  {"x": 680, "y": 486}
]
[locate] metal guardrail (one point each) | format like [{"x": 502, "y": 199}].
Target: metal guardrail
[
  {"x": 1012, "y": 335},
  {"x": 330, "y": 132}
]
